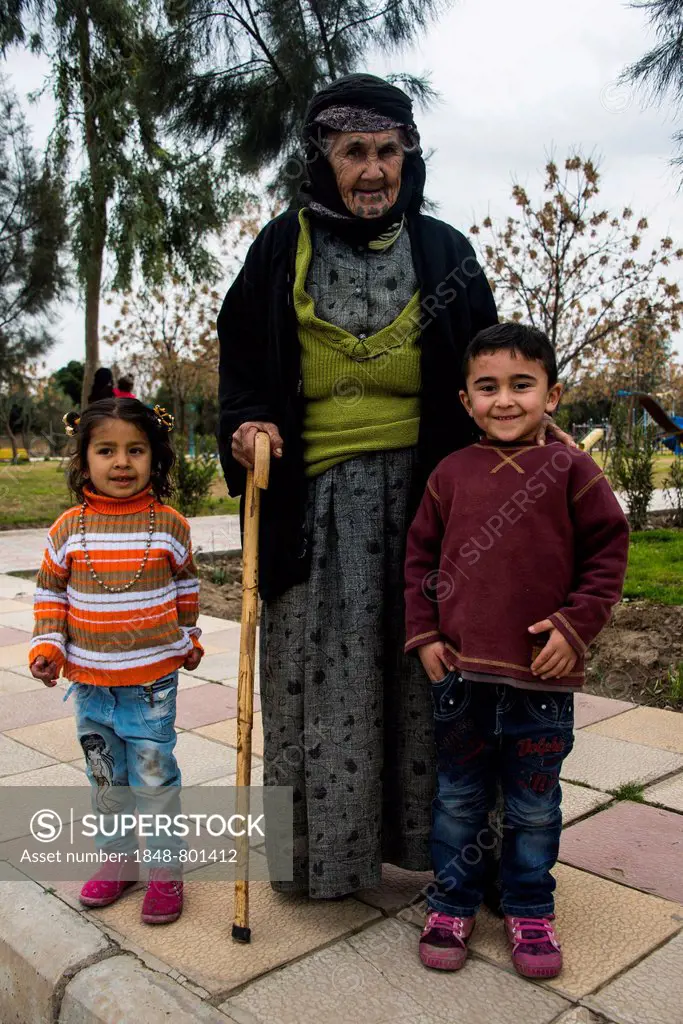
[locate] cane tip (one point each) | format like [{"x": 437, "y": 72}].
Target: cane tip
[{"x": 241, "y": 934}]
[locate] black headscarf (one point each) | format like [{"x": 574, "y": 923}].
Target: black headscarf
[{"x": 359, "y": 103}]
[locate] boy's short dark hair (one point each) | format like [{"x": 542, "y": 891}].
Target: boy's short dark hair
[
  {"x": 125, "y": 384},
  {"x": 528, "y": 341}
]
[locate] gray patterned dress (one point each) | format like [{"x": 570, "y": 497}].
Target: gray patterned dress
[{"x": 347, "y": 717}]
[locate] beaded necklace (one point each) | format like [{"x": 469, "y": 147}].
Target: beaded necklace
[{"x": 91, "y": 567}]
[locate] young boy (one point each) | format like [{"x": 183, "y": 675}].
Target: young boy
[{"x": 514, "y": 561}]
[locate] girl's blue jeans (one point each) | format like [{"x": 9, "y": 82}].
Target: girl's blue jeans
[
  {"x": 128, "y": 735},
  {"x": 486, "y": 733}
]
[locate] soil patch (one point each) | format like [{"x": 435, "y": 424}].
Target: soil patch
[
  {"x": 639, "y": 656},
  {"x": 221, "y": 586}
]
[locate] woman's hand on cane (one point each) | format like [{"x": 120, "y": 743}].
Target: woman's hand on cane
[{"x": 243, "y": 442}]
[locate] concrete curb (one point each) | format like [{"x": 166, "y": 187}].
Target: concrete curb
[{"x": 58, "y": 968}]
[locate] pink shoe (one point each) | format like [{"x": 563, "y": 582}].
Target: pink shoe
[
  {"x": 443, "y": 943},
  {"x": 163, "y": 900},
  {"x": 106, "y": 886},
  {"x": 536, "y": 953}
]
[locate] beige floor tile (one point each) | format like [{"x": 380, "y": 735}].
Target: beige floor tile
[
  {"x": 650, "y": 993},
  {"x": 398, "y": 889},
  {"x": 333, "y": 986},
  {"x": 14, "y": 654},
  {"x": 669, "y": 793},
  {"x": 224, "y": 641},
  {"x": 479, "y": 994},
  {"x": 8, "y": 605},
  {"x": 216, "y": 667},
  {"x": 605, "y": 763},
  {"x": 231, "y": 779},
  {"x": 212, "y": 624},
  {"x": 653, "y": 727},
  {"x": 186, "y": 681},
  {"x": 18, "y": 619},
  {"x": 603, "y": 927},
  {"x": 577, "y": 801},
  {"x": 226, "y": 732},
  {"x": 15, "y": 682},
  {"x": 56, "y": 739},
  {"x": 15, "y": 758},
  {"x": 52, "y": 775},
  {"x": 199, "y": 945},
  {"x": 201, "y": 760},
  {"x": 580, "y": 1015}
]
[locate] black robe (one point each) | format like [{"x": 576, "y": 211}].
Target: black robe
[{"x": 260, "y": 372}]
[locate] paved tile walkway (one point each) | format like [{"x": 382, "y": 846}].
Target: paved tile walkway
[{"x": 619, "y": 890}]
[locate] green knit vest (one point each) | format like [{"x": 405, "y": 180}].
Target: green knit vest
[{"x": 362, "y": 395}]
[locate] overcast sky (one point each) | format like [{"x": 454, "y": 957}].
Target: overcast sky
[{"x": 517, "y": 80}]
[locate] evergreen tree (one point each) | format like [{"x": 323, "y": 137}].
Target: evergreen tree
[
  {"x": 32, "y": 240},
  {"x": 659, "y": 72},
  {"x": 242, "y": 74},
  {"x": 132, "y": 197}
]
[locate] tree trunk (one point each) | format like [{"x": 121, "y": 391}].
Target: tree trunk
[
  {"x": 92, "y": 319},
  {"x": 97, "y": 215}
]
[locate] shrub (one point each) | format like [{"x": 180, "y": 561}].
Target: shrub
[
  {"x": 630, "y": 464},
  {"x": 193, "y": 479},
  {"x": 674, "y": 486}
]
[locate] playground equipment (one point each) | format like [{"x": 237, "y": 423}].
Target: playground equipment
[
  {"x": 591, "y": 439},
  {"x": 671, "y": 426}
]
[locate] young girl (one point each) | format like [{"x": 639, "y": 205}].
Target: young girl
[{"x": 116, "y": 610}]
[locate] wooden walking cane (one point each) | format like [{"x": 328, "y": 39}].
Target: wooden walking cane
[{"x": 257, "y": 481}]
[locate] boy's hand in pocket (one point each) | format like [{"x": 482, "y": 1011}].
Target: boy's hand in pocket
[
  {"x": 557, "y": 658},
  {"x": 436, "y": 660},
  {"x": 45, "y": 670}
]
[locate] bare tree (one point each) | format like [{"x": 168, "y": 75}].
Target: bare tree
[{"x": 577, "y": 271}]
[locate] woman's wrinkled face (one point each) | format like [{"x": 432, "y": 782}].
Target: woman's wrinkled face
[{"x": 367, "y": 166}]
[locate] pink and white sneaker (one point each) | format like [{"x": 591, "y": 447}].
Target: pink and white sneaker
[
  {"x": 536, "y": 952},
  {"x": 106, "y": 885},
  {"x": 443, "y": 943},
  {"x": 163, "y": 902}
]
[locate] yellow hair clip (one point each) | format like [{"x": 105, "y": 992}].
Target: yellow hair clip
[{"x": 164, "y": 418}]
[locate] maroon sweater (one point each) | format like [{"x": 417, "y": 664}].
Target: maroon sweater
[{"x": 508, "y": 534}]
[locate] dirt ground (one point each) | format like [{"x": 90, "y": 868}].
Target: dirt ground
[
  {"x": 221, "y": 586},
  {"x": 630, "y": 660},
  {"x": 633, "y": 656}
]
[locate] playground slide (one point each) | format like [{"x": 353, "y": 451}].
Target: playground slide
[{"x": 671, "y": 425}]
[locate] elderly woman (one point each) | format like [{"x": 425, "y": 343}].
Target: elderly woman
[{"x": 342, "y": 337}]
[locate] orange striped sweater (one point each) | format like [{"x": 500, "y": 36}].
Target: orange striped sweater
[{"x": 122, "y": 639}]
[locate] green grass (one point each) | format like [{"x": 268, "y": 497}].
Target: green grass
[
  {"x": 34, "y": 494},
  {"x": 655, "y": 567},
  {"x": 661, "y": 468},
  {"x": 629, "y": 791}
]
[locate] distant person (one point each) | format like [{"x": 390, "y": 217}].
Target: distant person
[
  {"x": 514, "y": 561},
  {"x": 102, "y": 385},
  {"x": 116, "y": 612},
  {"x": 124, "y": 389}
]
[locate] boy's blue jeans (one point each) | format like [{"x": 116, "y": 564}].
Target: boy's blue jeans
[
  {"x": 128, "y": 735},
  {"x": 485, "y": 733}
]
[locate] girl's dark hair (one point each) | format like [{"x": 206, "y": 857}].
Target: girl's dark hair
[
  {"x": 528, "y": 341},
  {"x": 132, "y": 411},
  {"x": 102, "y": 385}
]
